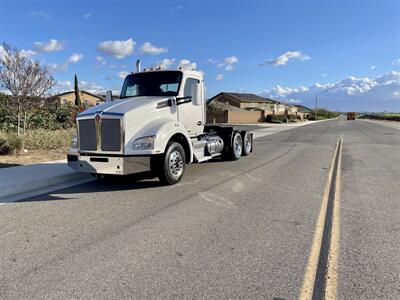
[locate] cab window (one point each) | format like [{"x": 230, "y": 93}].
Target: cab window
[{"x": 188, "y": 86}]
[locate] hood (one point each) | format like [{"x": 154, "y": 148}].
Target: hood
[{"x": 122, "y": 106}]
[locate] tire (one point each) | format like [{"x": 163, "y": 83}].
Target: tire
[
  {"x": 170, "y": 167},
  {"x": 235, "y": 150},
  {"x": 247, "y": 143}
]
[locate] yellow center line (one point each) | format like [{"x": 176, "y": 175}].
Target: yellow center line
[
  {"x": 307, "y": 288},
  {"x": 333, "y": 256}
]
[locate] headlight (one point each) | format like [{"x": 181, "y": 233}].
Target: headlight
[
  {"x": 144, "y": 143},
  {"x": 74, "y": 142}
]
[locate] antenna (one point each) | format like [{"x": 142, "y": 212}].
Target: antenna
[{"x": 138, "y": 66}]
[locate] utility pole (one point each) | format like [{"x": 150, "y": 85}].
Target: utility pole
[{"x": 316, "y": 103}]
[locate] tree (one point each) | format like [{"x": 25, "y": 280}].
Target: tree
[
  {"x": 77, "y": 94},
  {"x": 25, "y": 79}
]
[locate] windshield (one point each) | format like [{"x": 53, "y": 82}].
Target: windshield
[{"x": 152, "y": 84}]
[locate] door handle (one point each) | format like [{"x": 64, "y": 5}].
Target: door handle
[{"x": 199, "y": 123}]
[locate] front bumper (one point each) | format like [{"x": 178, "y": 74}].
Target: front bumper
[{"x": 119, "y": 165}]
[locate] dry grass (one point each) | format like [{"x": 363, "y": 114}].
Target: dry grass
[
  {"x": 36, "y": 140},
  {"x": 48, "y": 139}
]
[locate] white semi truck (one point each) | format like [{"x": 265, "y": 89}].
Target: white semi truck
[{"x": 157, "y": 125}]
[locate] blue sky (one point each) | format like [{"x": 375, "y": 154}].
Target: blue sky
[{"x": 288, "y": 50}]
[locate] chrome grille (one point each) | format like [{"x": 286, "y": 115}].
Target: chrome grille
[
  {"x": 99, "y": 134},
  {"x": 87, "y": 135},
  {"x": 110, "y": 135}
]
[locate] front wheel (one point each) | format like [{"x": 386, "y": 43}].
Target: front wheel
[{"x": 170, "y": 167}]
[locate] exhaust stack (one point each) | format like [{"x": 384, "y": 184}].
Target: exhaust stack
[{"x": 138, "y": 66}]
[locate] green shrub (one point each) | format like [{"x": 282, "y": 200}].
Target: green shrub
[
  {"x": 275, "y": 118},
  {"x": 8, "y": 121},
  {"x": 212, "y": 107},
  {"x": 10, "y": 142},
  {"x": 322, "y": 114},
  {"x": 4, "y": 147},
  {"x": 39, "y": 118},
  {"x": 384, "y": 117}
]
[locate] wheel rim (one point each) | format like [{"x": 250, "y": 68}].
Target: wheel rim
[
  {"x": 247, "y": 143},
  {"x": 237, "y": 145},
  {"x": 175, "y": 164}
]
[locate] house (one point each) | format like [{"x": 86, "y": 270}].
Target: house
[
  {"x": 249, "y": 108},
  {"x": 87, "y": 99},
  {"x": 230, "y": 101},
  {"x": 303, "y": 110}
]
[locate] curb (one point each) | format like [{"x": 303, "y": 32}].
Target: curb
[{"x": 32, "y": 180}]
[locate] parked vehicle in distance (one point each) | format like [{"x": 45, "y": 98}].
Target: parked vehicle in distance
[
  {"x": 351, "y": 116},
  {"x": 158, "y": 124}
]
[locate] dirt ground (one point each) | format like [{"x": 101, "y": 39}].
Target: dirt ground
[{"x": 31, "y": 157}]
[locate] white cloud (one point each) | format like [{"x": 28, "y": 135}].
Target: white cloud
[
  {"x": 324, "y": 75},
  {"x": 228, "y": 62},
  {"x": 149, "y": 48},
  {"x": 117, "y": 49},
  {"x": 372, "y": 67},
  {"x": 51, "y": 46},
  {"x": 396, "y": 62},
  {"x": 100, "y": 60},
  {"x": 212, "y": 61},
  {"x": 24, "y": 53},
  {"x": 219, "y": 77},
  {"x": 74, "y": 58},
  {"x": 186, "y": 64},
  {"x": 28, "y": 53},
  {"x": 91, "y": 87},
  {"x": 283, "y": 59},
  {"x": 351, "y": 93},
  {"x": 57, "y": 68},
  {"x": 165, "y": 63},
  {"x": 229, "y": 67},
  {"x": 176, "y": 8},
  {"x": 64, "y": 84},
  {"x": 87, "y": 16},
  {"x": 122, "y": 74},
  {"x": 61, "y": 87},
  {"x": 41, "y": 14}
]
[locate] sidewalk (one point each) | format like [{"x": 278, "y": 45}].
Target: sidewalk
[
  {"x": 26, "y": 181},
  {"x": 271, "y": 128},
  {"x": 393, "y": 124}
]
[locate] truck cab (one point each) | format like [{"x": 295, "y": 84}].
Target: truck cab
[{"x": 158, "y": 124}]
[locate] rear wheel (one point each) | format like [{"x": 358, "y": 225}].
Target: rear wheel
[
  {"x": 170, "y": 167},
  {"x": 247, "y": 143},
  {"x": 235, "y": 151}
]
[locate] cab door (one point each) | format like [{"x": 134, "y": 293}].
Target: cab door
[{"x": 189, "y": 115}]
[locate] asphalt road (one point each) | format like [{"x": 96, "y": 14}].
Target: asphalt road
[{"x": 229, "y": 230}]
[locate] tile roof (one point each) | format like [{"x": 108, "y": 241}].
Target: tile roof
[{"x": 244, "y": 97}]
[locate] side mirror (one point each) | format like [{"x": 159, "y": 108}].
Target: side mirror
[
  {"x": 196, "y": 94},
  {"x": 109, "y": 96}
]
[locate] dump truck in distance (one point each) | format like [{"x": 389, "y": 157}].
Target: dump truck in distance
[
  {"x": 157, "y": 125},
  {"x": 351, "y": 116}
]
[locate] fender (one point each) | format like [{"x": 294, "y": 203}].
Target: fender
[{"x": 163, "y": 129}]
